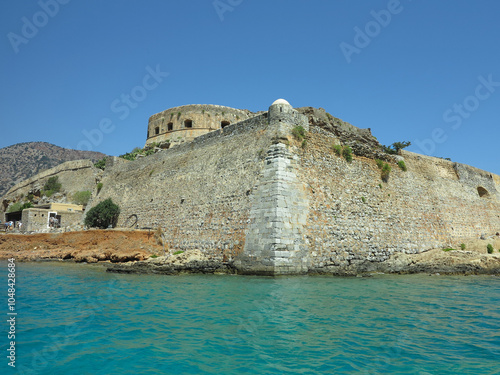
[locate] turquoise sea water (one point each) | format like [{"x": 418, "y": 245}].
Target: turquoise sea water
[{"x": 78, "y": 319}]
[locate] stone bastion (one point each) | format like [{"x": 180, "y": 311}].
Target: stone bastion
[
  {"x": 260, "y": 196},
  {"x": 182, "y": 124}
]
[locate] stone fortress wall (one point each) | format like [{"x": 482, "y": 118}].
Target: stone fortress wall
[
  {"x": 76, "y": 175},
  {"x": 251, "y": 195},
  {"x": 182, "y": 124},
  {"x": 357, "y": 221}
]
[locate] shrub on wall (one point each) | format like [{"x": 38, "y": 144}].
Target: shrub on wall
[
  {"x": 299, "y": 132},
  {"x": 19, "y": 206},
  {"x": 395, "y": 147},
  {"x": 81, "y": 197},
  {"x": 386, "y": 170},
  {"x": 344, "y": 151},
  {"x": 337, "y": 149},
  {"x": 347, "y": 153},
  {"x": 402, "y": 165},
  {"x": 103, "y": 215},
  {"x": 489, "y": 248},
  {"x": 52, "y": 186},
  {"x": 101, "y": 164}
]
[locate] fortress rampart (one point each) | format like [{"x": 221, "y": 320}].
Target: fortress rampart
[
  {"x": 75, "y": 175},
  {"x": 252, "y": 195},
  {"x": 183, "y": 124}
]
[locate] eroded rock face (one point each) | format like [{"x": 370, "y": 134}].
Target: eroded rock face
[
  {"x": 191, "y": 261},
  {"x": 362, "y": 142}
]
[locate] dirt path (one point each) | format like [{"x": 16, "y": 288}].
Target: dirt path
[{"x": 86, "y": 246}]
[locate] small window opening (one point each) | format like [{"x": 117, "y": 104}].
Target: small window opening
[
  {"x": 281, "y": 109},
  {"x": 157, "y": 130},
  {"x": 188, "y": 123},
  {"x": 170, "y": 126},
  {"x": 223, "y": 124},
  {"x": 483, "y": 193}
]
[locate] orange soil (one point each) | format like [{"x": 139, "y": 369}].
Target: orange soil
[{"x": 86, "y": 246}]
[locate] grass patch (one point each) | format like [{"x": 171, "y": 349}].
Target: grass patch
[
  {"x": 448, "y": 249},
  {"x": 178, "y": 252}
]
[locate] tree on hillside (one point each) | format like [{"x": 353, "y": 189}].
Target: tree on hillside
[{"x": 395, "y": 147}]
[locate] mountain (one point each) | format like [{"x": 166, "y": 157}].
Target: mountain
[{"x": 23, "y": 160}]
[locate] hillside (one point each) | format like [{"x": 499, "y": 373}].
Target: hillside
[{"x": 23, "y": 160}]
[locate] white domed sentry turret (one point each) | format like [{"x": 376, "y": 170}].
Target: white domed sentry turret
[
  {"x": 281, "y": 101},
  {"x": 280, "y": 106},
  {"x": 282, "y": 115}
]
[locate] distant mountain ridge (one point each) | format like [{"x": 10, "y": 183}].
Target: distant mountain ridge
[{"x": 23, "y": 160}]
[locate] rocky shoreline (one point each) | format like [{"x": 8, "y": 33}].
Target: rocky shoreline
[
  {"x": 138, "y": 252},
  {"x": 436, "y": 261}
]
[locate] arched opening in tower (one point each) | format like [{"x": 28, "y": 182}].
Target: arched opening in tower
[
  {"x": 223, "y": 124},
  {"x": 188, "y": 123}
]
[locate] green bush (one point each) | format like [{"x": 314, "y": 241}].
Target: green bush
[
  {"x": 489, "y": 248},
  {"x": 178, "y": 252},
  {"x": 101, "y": 164},
  {"x": 448, "y": 249},
  {"x": 304, "y": 144},
  {"x": 386, "y": 170},
  {"x": 299, "y": 132},
  {"x": 402, "y": 165},
  {"x": 363, "y": 199},
  {"x": 347, "y": 153},
  {"x": 81, "y": 197},
  {"x": 132, "y": 154},
  {"x": 52, "y": 185},
  {"x": 102, "y": 215},
  {"x": 462, "y": 246},
  {"x": 19, "y": 206},
  {"x": 31, "y": 197},
  {"x": 15, "y": 207},
  {"x": 337, "y": 149},
  {"x": 395, "y": 147},
  {"x": 99, "y": 187},
  {"x": 344, "y": 151},
  {"x": 380, "y": 163}
]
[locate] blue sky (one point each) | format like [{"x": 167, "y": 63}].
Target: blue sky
[{"x": 88, "y": 74}]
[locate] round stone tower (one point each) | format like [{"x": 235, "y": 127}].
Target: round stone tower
[
  {"x": 184, "y": 123},
  {"x": 284, "y": 118}
]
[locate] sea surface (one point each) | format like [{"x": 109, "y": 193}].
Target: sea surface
[{"x": 78, "y": 319}]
